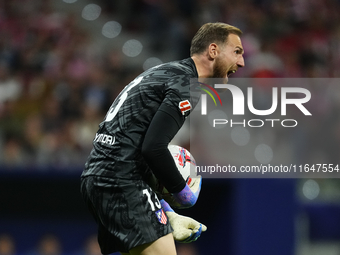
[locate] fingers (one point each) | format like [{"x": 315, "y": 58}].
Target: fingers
[
  {"x": 195, "y": 234},
  {"x": 195, "y": 185},
  {"x": 186, "y": 229},
  {"x": 195, "y": 181},
  {"x": 193, "y": 224},
  {"x": 188, "y": 236},
  {"x": 182, "y": 235}
]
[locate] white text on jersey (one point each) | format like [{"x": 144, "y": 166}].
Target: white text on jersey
[{"x": 109, "y": 139}]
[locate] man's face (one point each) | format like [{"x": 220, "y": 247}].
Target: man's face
[{"x": 229, "y": 59}]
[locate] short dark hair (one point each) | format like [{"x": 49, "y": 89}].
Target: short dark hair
[{"x": 211, "y": 33}]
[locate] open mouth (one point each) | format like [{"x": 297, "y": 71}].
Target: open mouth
[{"x": 231, "y": 72}]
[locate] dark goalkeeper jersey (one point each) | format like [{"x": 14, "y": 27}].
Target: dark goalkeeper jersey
[{"x": 117, "y": 145}]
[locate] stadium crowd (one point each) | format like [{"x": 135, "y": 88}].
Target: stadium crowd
[
  {"x": 56, "y": 86},
  {"x": 48, "y": 244}
]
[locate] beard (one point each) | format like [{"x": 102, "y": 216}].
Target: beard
[{"x": 219, "y": 70}]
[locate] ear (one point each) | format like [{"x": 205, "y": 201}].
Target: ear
[{"x": 213, "y": 50}]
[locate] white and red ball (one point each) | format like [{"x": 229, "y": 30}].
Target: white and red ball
[
  {"x": 184, "y": 161},
  {"x": 186, "y": 165}
]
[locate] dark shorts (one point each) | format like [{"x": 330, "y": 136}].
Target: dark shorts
[{"x": 127, "y": 212}]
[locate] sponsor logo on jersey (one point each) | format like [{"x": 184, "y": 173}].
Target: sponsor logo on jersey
[
  {"x": 184, "y": 106},
  {"x": 102, "y": 138},
  {"x": 161, "y": 216}
]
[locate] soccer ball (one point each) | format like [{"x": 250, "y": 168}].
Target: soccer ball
[
  {"x": 185, "y": 163},
  {"x": 183, "y": 160}
]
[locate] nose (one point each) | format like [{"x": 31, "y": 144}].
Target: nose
[{"x": 240, "y": 61}]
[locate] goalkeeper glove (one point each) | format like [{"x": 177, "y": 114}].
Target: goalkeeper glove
[
  {"x": 185, "y": 198},
  {"x": 188, "y": 196},
  {"x": 186, "y": 229}
]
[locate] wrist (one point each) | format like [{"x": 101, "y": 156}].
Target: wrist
[
  {"x": 185, "y": 198},
  {"x": 166, "y": 207}
]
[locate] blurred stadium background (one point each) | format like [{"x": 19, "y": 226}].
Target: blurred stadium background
[{"x": 62, "y": 62}]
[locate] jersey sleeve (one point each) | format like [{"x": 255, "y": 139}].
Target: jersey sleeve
[
  {"x": 181, "y": 95},
  {"x": 163, "y": 127},
  {"x": 169, "y": 118}
]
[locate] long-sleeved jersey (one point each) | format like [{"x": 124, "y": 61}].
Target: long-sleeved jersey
[{"x": 117, "y": 146}]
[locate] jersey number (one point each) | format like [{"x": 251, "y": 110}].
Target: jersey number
[
  {"x": 152, "y": 204},
  {"x": 113, "y": 110}
]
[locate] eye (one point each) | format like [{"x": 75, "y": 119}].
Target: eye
[{"x": 238, "y": 51}]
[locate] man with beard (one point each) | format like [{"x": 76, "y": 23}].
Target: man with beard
[{"x": 132, "y": 142}]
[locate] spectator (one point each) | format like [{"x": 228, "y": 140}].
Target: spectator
[
  {"x": 52, "y": 69},
  {"x": 49, "y": 244},
  {"x": 7, "y": 245}
]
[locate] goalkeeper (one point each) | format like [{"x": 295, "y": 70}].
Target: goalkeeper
[{"x": 131, "y": 144}]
